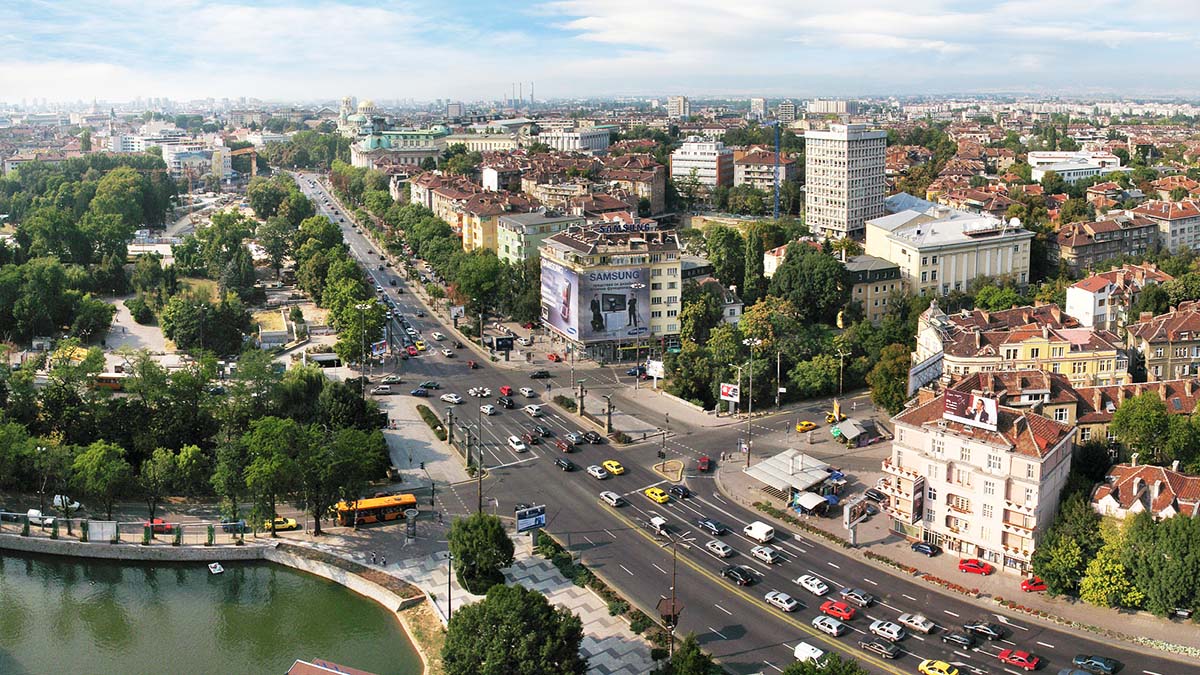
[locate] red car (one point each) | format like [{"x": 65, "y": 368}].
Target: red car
[
  {"x": 975, "y": 566},
  {"x": 705, "y": 464},
  {"x": 1033, "y": 585},
  {"x": 412, "y": 351},
  {"x": 564, "y": 446},
  {"x": 554, "y": 357},
  {"x": 470, "y": 364},
  {"x": 159, "y": 526},
  {"x": 506, "y": 390},
  {"x": 1020, "y": 659},
  {"x": 838, "y": 610}
]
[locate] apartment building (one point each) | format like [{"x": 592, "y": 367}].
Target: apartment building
[
  {"x": 1103, "y": 300},
  {"x": 1168, "y": 344},
  {"x": 786, "y": 112},
  {"x": 710, "y": 161},
  {"x": 758, "y": 108},
  {"x": 983, "y": 486},
  {"x": 831, "y": 107},
  {"x": 1134, "y": 488},
  {"x": 591, "y": 139},
  {"x": 1097, "y": 405},
  {"x": 757, "y": 170},
  {"x": 1178, "y": 222},
  {"x": 844, "y": 179},
  {"x": 940, "y": 249},
  {"x": 872, "y": 282},
  {"x": 480, "y": 213},
  {"x": 1080, "y": 246},
  {"x": 678, "y": 108},
  {"x": 520, "y": 235}
]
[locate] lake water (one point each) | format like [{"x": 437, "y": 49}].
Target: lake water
[{"x": 63, "y": 616}]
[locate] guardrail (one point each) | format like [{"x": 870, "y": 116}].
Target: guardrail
[{"x": 144, "y": 533}]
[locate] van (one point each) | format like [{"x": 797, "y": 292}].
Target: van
[
  {"x": 806, "y": 653},
  {"x": 759, "y": 531}
]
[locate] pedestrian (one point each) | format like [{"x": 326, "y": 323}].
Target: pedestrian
[
  {"x": 383, "y": 561},
  {"x": 372, "y": 557}
]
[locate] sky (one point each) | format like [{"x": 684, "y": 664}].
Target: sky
[{"x": 308, "y": 50}]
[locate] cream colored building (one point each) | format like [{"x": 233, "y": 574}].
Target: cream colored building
[
  {"x": 486, "y": 142},
  {"x": 844, "y": 179}
]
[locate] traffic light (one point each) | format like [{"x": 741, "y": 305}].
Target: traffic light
[
  {"x": 422, "y": 466},
  {"x": 662, "y": 454}
]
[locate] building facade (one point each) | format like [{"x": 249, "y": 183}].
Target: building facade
[
  {"x": 399, "y": 146},
  {"x": 785, "y": 112},
  {"x": 757, "y": 170},
  {"x": 1178, "y": 223},
  {"x": 1103, "y": 300},
  {"x": 1080, "y": 246},
  {"x": 520, "y": 235},
  {"x": 678, "y": 107},
  {"x": 710, "y": 161},
  {"x": 872, "y": 281},
  {"x": 844, "y": 179},
  {"x": 1168, "y": 344},
  {"x": 590, "y": 139}
]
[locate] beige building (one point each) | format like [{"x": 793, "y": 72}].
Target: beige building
[
  {"x": 520, "y": 235},
  {"x": 1169, "y": 343},
  {"x": 844, "y": 179},
  {"x": 757, "y": 169}
]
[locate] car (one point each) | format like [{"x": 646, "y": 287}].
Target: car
[
  {"x": 680, "y": 491},
  {"x": 421, "y": 313},
  {"x": 925, "y": 548},
  {"x": 530, "y": 439},
  {"x": 766, "y": 554},
  {"x": 446, "y": 352},
  {"x": 437, "y": 336},
  {"x": 657, "y": 495},
  {"x": 539, "y": 375},
  {"x": 1019, "y": 658},
  {"x": 36, "y": 518},
  {"x": 592, "y": 437},
  {"x": 452, "y": 398},
  {"x": 555, "y": 358},
  {"x": 481, "y": 392},
  {"x": 959, "y": 639},
  {"x": 838, "y": 610},
  {"x": 541, "y": 430},
  {"x": 381, "y": 390},
  {"x": 471, "y": 364},
  {"x": 857, "y": 596},
  {"x": 1033, "y": 585},
  {"x": 458, "y": 344},
  {"x": 159, "y": 526},
  {"x": 887, "y": 630},
  {"x": 719, "y": 548},
  {"x": 885, "y": 648},
  {"x": 282, "y": 524},
  {"x": 830, "y": 418},
  {"x": 506, "y": 390},
  {"x": 611, "y": 498},
  {"x": 411, "y": 350},
  {"x": 704, "y": 464},
  {"x": 430, "y": 384},
  {"x": 391, "y": 282},
  {"x": 975, "y": 566},
  {"x": 781, "y": 600},
  {"x": 871, "y": 509},
  {"x": 917, "y": 623},
  {"x": 711, "y": 526},
  {"x": 506, "y": 402},
  {"x": 233, "y": 526},
  {"x": 739, "y": 574},
  {"x": 573, "y": 437},
  {"x": 563, "y": 445},
  {"x": 812, "y": 584},
  {"x": 613, "y": 466},
  {"x": 564, "y": 464},
  {"x": 65, "y": 502},
  {"x": 805, "y": 425},
  {"x": 524, "y": 341},
  {"x": 533, "y": 410},
  {"x": 410, "y": 330},
  {"x": 391, "y": 379},
  {"x": 527, "y": 392},
  {"x": 830, "y": 625},
  {"x": 934, "y": 667},
  {"x": 984, "y": 628},
  {"x": 1095, "y": 663},
  {"x": 419, "y": 392},
  {"x": 875, "y": 495},
  {"x": 420, "y": 345},
  {"x": 516, "y": 444},
  {"x": 597, "y": 472}
]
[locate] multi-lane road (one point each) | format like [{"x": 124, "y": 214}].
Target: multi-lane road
[{"x": 733, "y": 623}]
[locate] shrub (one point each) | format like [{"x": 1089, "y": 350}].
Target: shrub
[
  {"x": 640, "y": 622},
  {"x": 140, "y": 310},
  {"x": 617, "y": 607},
  {"x": 565, "y": 402},
  {"x": 432, "y": 420},
  {"x": 621, "y": 437}
]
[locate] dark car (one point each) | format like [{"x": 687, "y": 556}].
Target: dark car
[
  {"x": 875, "y": 495},
  {"x": 541, "y": 430},
  {"x": 430, "y": 384},
  {"x": 563, "y": 445},
  {"x": 885, "y": 648},
  {"x": 679, "y": 491},
  {"x": 638, "y": 370},
  {"x": 1097, "y": 664},
  {"x": 391, "y": 282},
  {"x": 738, "y": 574},
  {"x": 506, "y": 402},
  {"x": 959, "y": 639},
  {"x": 232, "y": 526},
  {"x": 926, "y": 548},
  {"x": 458, "y": 344},
  {"x": 530, "y": 439},
  {"x": 565, "y": 464},
  {"x": 711, "y": 526},
  {"x": 423, "y": 393},
  {"x": 539, "y": 375},
  {"x": 593, "y": 437},
  {"x": 984, "y": 628},
  {"x": 421, "y": 313}
]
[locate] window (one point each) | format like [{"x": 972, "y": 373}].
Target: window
[
  {"x": 985, "y": 533},
  {"x": 938, "y": 446},
  {"x": 672, "y": 299},
  {"x": 672, "y": 312},
  {"x": 656, "y": 314},
  {"x": 1029, "y": 495},
  {"x": 933, "y": 260},
  {"x": 1034, "y": 352},
  {"x": 932, "y": 494},
  {"x": 1030, "y": 470},
  {"x": 1010, "y": 353},
  {"x": 1078, "y": 368},
  {"x": 993, "y": 462},
  {"x": 987, "y": 511},
  {"x": 656, "y": 286},
  {"x": 929, "y": 515},
  {"x": 964, "y": 454},
  {"x": 989, "y": 488},
  {"x": 1060, "y": 414},
  {"x": 1085, "y": 434},
  {"x": 656, "y": 272},
  {"x": 962, "y": 477},
  {"x": 925, "y": 277},
  {"x": 1158, "y": 351}
]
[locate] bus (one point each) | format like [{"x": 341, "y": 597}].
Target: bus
[
  {"x": 113, "y": 381},
  {"x": 375, "y": 509}
]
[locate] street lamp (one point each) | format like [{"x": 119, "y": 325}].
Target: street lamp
[
  {"x": 362, "y": 308},
  {"x": 449, "y": 589},
  {"x": 637, "y": 350},
  {"x": 752, "y": 343},
  {"x": 669, "y": 609}
]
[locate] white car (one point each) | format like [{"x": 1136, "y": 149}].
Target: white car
[
  {"x": 525, "y": 342},
  {"x": 487, "y": 409},
  {"x": 829, "y": 625},
  {"x": 887, "y": 630},
  {"x": 515, "y": 443},
  {"x": 782, "y": 600},
  {"x": 391, "y": 379},
  {"x": 65, "y": 502},
  {"x": 916, "y": 622},
  {"x": 533, "y": 410},
  {"x": 452, "y": 398},
  {"x": 596, "y": 471},
  {"x": 812, "y": 584},
  {"x": 719, "y": 548},
  {"x": 527, "y": 392},
  {"x": 411, "y": 331},
  {"x": 611, "y": 498},
  {"x": 766, "y": 554},
  {"x": 438, "y": 336},
  {"x": 447, "y": 353}
]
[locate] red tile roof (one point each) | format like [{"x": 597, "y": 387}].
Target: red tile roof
[
  {"x": 1169, "y": 210},
  {"x": 1156, "y": 487},
  {"x": 1026, "y": 432}
]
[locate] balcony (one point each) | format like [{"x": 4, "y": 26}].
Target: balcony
[
  {"x": 888, "y": 467},
  {"x": 1017, "y": 530},
  {"x": 1019, "y": 553},
  {"x": 1018, "y": 508}
]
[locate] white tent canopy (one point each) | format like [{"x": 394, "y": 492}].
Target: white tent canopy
[{"x": 790, "y": 470}]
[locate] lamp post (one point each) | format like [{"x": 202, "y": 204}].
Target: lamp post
[
  {"x": 432, "y": 486},
  {"x": 637, "y": 349},
  {"x": 362, "y": 328},
  {"x": 449, "y": 588},
  {"x": 752, "y": 343},
  {"x": 669, "y": 609}
]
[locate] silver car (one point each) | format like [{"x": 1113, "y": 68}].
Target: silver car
[
  {"x": 829, "y": 625},
  {"x": 782, "y": 600}
]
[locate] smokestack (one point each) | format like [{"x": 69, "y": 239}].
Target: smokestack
[{"x": 530, "y": 93}]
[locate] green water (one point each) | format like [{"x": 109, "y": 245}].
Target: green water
[{"x": 69, "y": 617}]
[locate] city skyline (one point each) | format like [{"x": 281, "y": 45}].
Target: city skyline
[{"x": 121, "y": 50}]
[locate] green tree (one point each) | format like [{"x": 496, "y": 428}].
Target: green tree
[
  {"x": 692, "y": 374},
  {"x": 1106, "y": 582},
  {"x": 272, "y": 445},
  {"x": 120, "y": 192},
  {"x": 481, "y": 549},
  {"x": 689, "y": 659},
  {"x": 1179, "y": 194},
  {"x": 995, "y": 298},
  {"x": 815, "y": 377},
  {"x": 888, "y": 378},
  {"x": 754, "y": 284},
  {"x": 813, "y": 281},
  {"x": 834, "y": 665},
  {"x": 1140, "y": 423},
  {"x": 85, "y": 140},
  {"x": 265, "y": 196},
  {"x": 157, "y": 477},
  {"x": 101, "y": 474},
  {"x": 1072, "y": 540},
  {"x": 92, "y": 318},
  {"x": 229, "y": 476},
  {"x": 513, "y": 630},
  {"x": 276, "y": 237},
  {"x": 727, "y": 251}
]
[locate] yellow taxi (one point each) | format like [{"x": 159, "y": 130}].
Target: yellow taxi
[
  {"x": 420, "y": 345},
  {"x": 282, "y": 524},
  {"x": 931, "y": 667},
  {"x": 613, "y": 466},
  {"x": 657, "y": 494},
  {"x": 831, "y": 418},
  {"x": 805, "y": 425}
]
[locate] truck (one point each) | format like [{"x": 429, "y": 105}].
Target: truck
[
  {"x": 759, "y": 531},
  {"x": 659, "y": 525}
]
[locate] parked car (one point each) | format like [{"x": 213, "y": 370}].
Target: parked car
[
  {"x": 423, "y": 393},
  {"x": 975, "y": 566},
  {"x": 926, "y": 548},
  {"x": 282, "y": 524},
  {"x": 382, "y": 390},
  {"x": 391, "y": 379},
  {"x": 452, "y": 398},
  {"x": 812, "y": 584},
  {"x": 233, "y": 526},
  {"x": 36, "y": 518},
  {"x": 1033, "y": 585},
  {"x": 430, "y": 384},
  {"x": 159, "y": 526},
  {"x": 805, "y": 425},
  {"x": 65, "y": 502},
  {"x": 830, "y": 625},
  {"x": 781, "y": 600},
  {"x": 875, "y": 495}
]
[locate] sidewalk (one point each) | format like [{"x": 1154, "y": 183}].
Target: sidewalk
[{"x": 874, "y": 535}]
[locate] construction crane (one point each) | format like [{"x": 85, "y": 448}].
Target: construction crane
[{"x": 253, "y": 152}]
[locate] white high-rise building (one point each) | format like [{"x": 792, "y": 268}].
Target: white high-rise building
[
  {"x": 786, "y": 112},
  {"x": 678, "y": 107},
  {"x": 844, "y": 181},
  {"x": 758, "y": 107}
]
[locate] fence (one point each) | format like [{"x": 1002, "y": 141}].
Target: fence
[{"x": 191, "y": 533}]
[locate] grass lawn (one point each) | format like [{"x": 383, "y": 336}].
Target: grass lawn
[
  {"x": 426, "y": 630},
  {"x": 268, "y": 319},
  {"x": 205, "y": 287}
]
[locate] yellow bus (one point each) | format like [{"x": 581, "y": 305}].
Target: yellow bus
[
  {"x": 375, "y": 509},
  {"x": 113, "y": 381}
]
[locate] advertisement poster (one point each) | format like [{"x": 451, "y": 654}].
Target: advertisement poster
[
  {"x": 560, "y": 297},
  {"x": 971, "y": 409},
  {"x": 617, "y": 303},
  {"x": 731, "y": 392},
  {"x": 918, "y": 511}
]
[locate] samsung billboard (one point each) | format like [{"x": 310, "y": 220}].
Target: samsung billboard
[{"x": 608, "y": 304}]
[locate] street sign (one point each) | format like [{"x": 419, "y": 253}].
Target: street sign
[
  {"x": 504, "y": 344},
  {"x": 655, "y": 369},
  {"x": 531, "y": 518}
]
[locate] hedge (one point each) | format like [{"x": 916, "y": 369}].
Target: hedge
[
  {"x": 565, "y": 402},
  {"x": 432, "y": 420}
]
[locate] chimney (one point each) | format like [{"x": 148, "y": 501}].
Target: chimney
[
  {"x": 1121, "y": 396},
  {"x": 1187, "y": 386},
  {"x": 1133, "y": 459},
  {"x": 1145, "y": 316},
  {"x": 1162, "y": 392},
  {"x": 1097, "y": 398},
  {"x": 1175, "y": 466}
]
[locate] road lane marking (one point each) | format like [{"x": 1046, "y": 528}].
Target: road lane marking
[
  {"x": 773, "y": 666},
  {"x": 914, "y": 635},
  {"x": 659, "y": 568},
  {"x": 958, "y": 653},
  {"x": 1008, "y": 642},
  {"x": 833, "y": 565},
  {"x": 908, "y": 596},
  {"x": 950, "y": 613},
  {"x": 610, "y": 533},
  {"x": 1150, "y": 672},
  {"x": 717, "y": 632},
  {"x": 722, "y": 609},
  {"x": 1046, "y": 645},
  {"x": 626, "y": 569},
  {"x": 870, "y": 582},
  {"x": 589, "y": 540}
]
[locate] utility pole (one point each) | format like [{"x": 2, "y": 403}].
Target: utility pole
[
  {"x": 479, "y": 472},
  {"x": 749, "y": 414},
  {"x": 841, "y": 367},
  {"x": 778, "y": 383},
  {"x": 449, "y": 590},
  {"x": 362, "y": 329},
  {"x": 450, "y": 426}
]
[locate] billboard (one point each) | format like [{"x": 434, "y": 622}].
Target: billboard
[
  {"x": 655, "y": 369},
  {"x": 971, "y": 409},
  {"x": 604, "y": 304},
  {"x": 531, "y": 518},
  {"x": 924, "y": 372},
  {"x": 731, "y": 392},
  {"x": 504, "y": 344},
  {"x": 918, "y": 511},
  {"x": 458, "y": 311}
]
